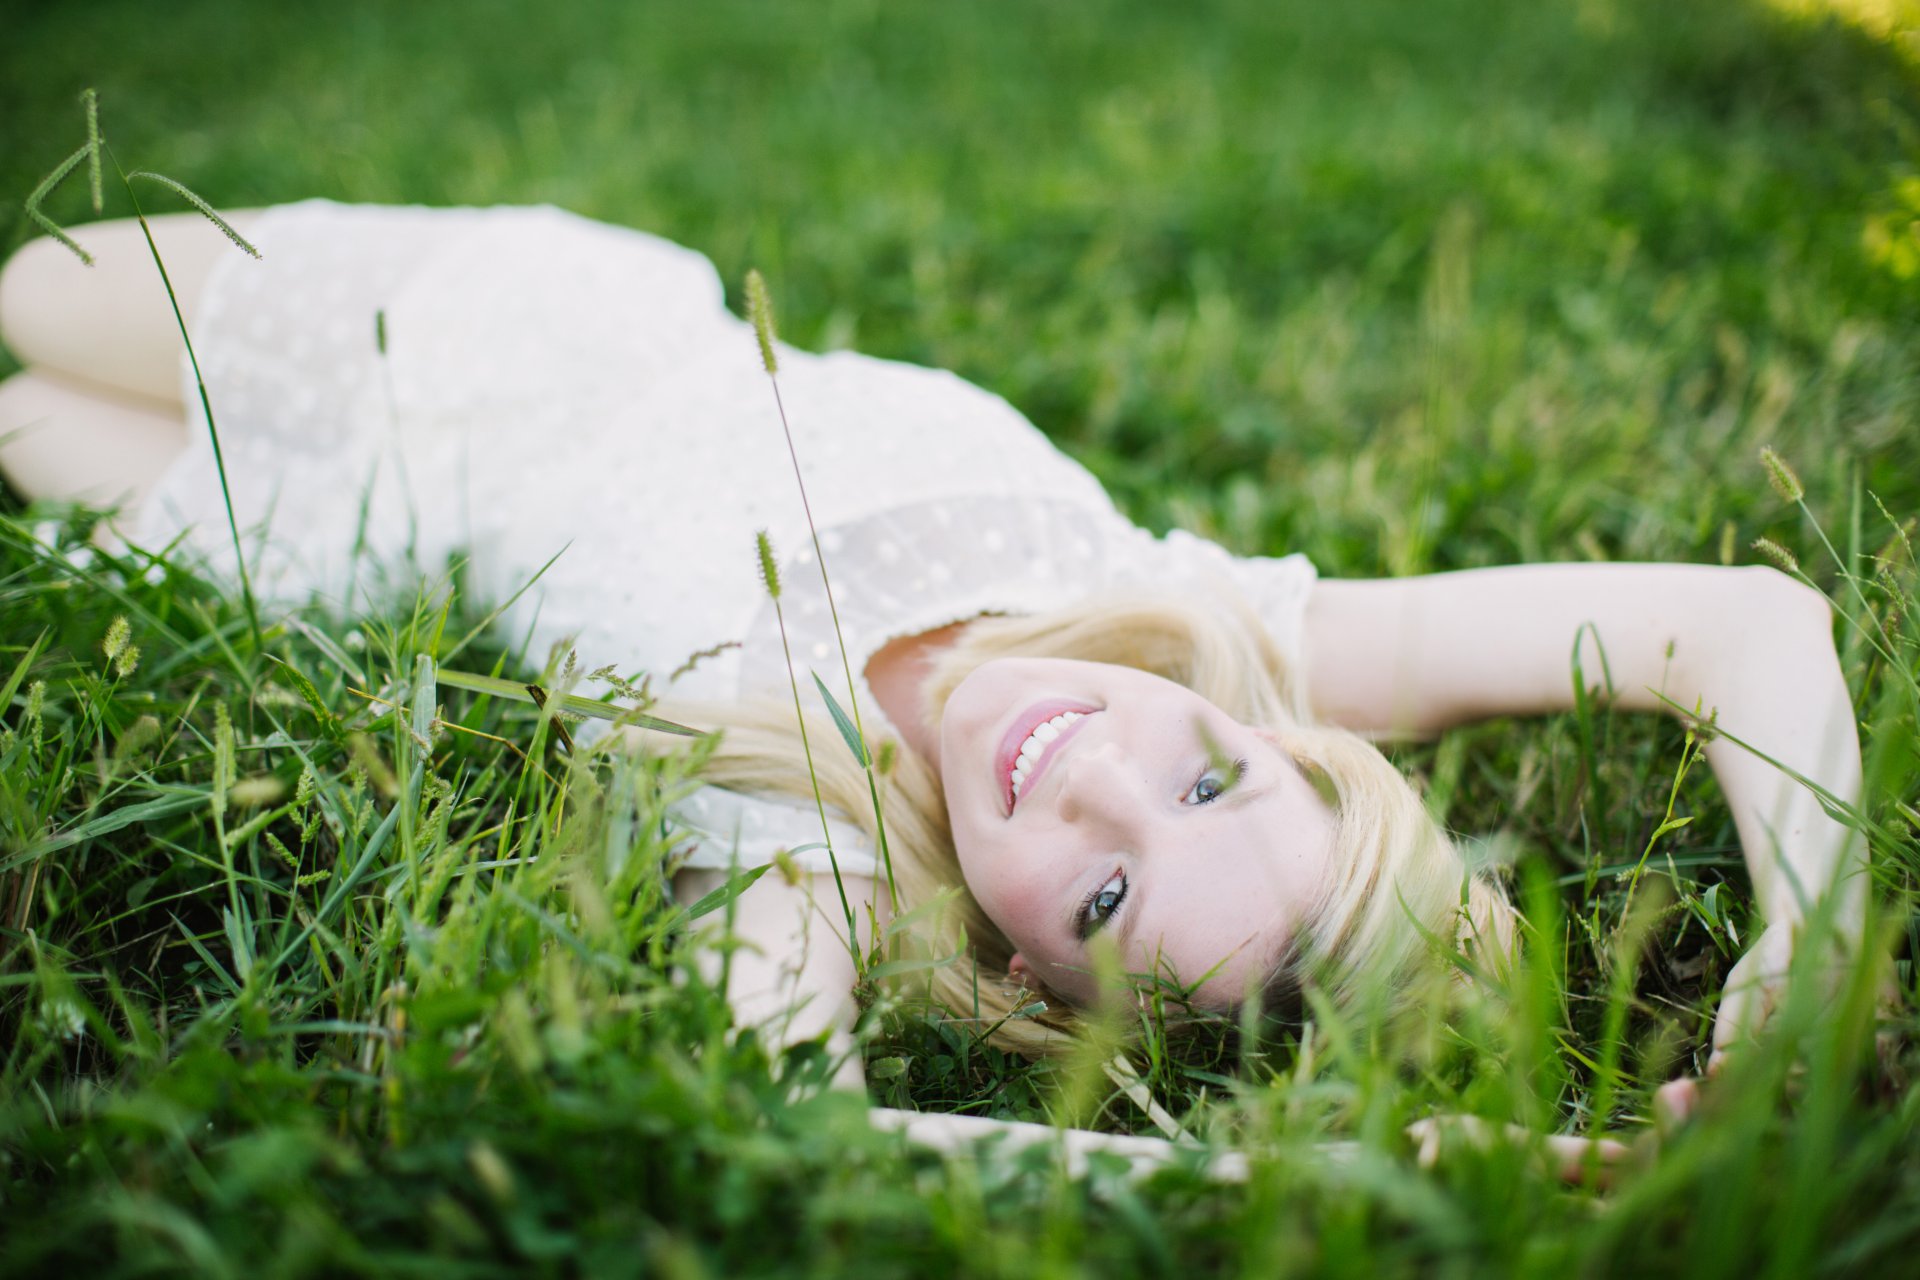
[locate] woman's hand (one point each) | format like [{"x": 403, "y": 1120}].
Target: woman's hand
[{"x": 1573, "y": 1160}]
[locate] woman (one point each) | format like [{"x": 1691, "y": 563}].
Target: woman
[{"x": 1108, "y": 738}]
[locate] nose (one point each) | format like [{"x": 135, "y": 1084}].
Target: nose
[{"x": 1099, "y": 785}]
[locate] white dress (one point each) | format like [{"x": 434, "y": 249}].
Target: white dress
[{"x": 552, "y": 386}]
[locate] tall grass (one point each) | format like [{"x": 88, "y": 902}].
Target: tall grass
[{"x": 336, "y": 982}]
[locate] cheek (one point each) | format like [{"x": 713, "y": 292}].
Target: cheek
[
  {"x": 1013, "y": 890},
  {"x": 970, "y": 708}
]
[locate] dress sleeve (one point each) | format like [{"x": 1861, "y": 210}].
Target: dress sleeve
[
  {"x": 728, "y": 829},
  {"x": 1275, "y": 588}
]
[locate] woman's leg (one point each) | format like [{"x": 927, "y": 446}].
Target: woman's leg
[
  {"x": 80, "y": 442},
  {"x": 110, "y": 323},
  {"x": 96, "y": 416}
]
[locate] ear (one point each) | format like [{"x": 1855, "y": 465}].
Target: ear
[{"x": 1017, "y": 968}]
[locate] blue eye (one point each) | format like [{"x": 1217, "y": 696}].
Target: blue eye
[
  {"x": 1216, "y": 782},
  {"x": 1101, "y": 905}
]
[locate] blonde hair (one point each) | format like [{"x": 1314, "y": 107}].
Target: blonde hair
[{"x": 1401, "y": 899}]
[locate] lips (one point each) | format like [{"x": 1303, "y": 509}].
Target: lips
[{"x": 1026, "y": 725}]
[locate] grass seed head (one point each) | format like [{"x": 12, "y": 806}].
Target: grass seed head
[
  {"x": 760, "y": 311},
  {"x": 32, "y": 719},
  {"x": 258, "y": 792},
  {"x": 769, "y": 567},
  {"x": 45, "y": 189},
  {"x": 610, "y": 676},
  {"x": 283, "y": 853},
  {"x": 90, "y": 103},
  {"x": 223, "y": 766},
  {"x": 207, "y": 211},
  {"x": 1777, "y": 553},
  {"x": 127, "y": 661},
  {"x": 788, "y": 868},
  {"x": 1781, "y": 476},
  {"x": 118, "y": 634}
]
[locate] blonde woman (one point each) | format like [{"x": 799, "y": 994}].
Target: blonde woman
[{"x": 1105, "y": 739}]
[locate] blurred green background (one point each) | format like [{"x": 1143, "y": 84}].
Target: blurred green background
[{"x": 1404, "y": 285}]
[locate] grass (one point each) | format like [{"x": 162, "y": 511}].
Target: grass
[{"x": 1405, "y": 289}]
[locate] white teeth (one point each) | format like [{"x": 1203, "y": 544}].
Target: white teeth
[{"x": 1031, "y": 748}]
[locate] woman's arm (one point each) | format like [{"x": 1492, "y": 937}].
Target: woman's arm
[
  {"x": 790, "y": 971},
  {"x": 1415, "y": 655}
]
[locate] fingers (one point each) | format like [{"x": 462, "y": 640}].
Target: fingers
[
  {"x": 1673, "y": 1105},
  {"x": 1573, "y": 1160},
  {"x": 1579, "y": 1161}
]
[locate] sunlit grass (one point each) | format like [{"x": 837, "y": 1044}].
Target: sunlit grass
[{"x": 1896, "y": 21}]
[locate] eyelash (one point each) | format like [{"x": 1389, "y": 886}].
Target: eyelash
[
  {"x": 1085, "y": 925},
  {"x": 1234, "y": 772}
]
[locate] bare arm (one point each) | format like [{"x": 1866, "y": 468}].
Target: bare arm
[
  {"x": 790, "y": 973},
  {"x": 1415, "y": 655}
]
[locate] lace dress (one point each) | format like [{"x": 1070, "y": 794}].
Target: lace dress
[{"x": 557, "y": 398}]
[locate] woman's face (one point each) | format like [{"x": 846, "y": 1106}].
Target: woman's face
[{"x": 1141, "y": 811}]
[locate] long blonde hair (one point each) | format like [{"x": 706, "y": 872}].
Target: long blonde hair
[{"x": 1401, "y": 895}]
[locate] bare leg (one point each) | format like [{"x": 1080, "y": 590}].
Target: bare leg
[
  {"x": 78, "y": 442},
  {"x": 110, "y": 323},
  {"x": 97, "y": 414}
]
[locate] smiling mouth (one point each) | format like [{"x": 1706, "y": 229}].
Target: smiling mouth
[{"x": 1030, "y": 742}]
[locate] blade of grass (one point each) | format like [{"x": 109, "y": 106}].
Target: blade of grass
[
  {"x": 571, "y": 703},
  {"x": 200, "y": 384}
]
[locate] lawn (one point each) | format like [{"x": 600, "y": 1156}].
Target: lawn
[{"x": 295, "y": 982}]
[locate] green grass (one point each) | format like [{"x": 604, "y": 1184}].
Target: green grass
[{"x": 1405, "y": 287}]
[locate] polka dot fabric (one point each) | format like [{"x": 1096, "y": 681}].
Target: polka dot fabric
[{"x": 555, "y": 387}]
